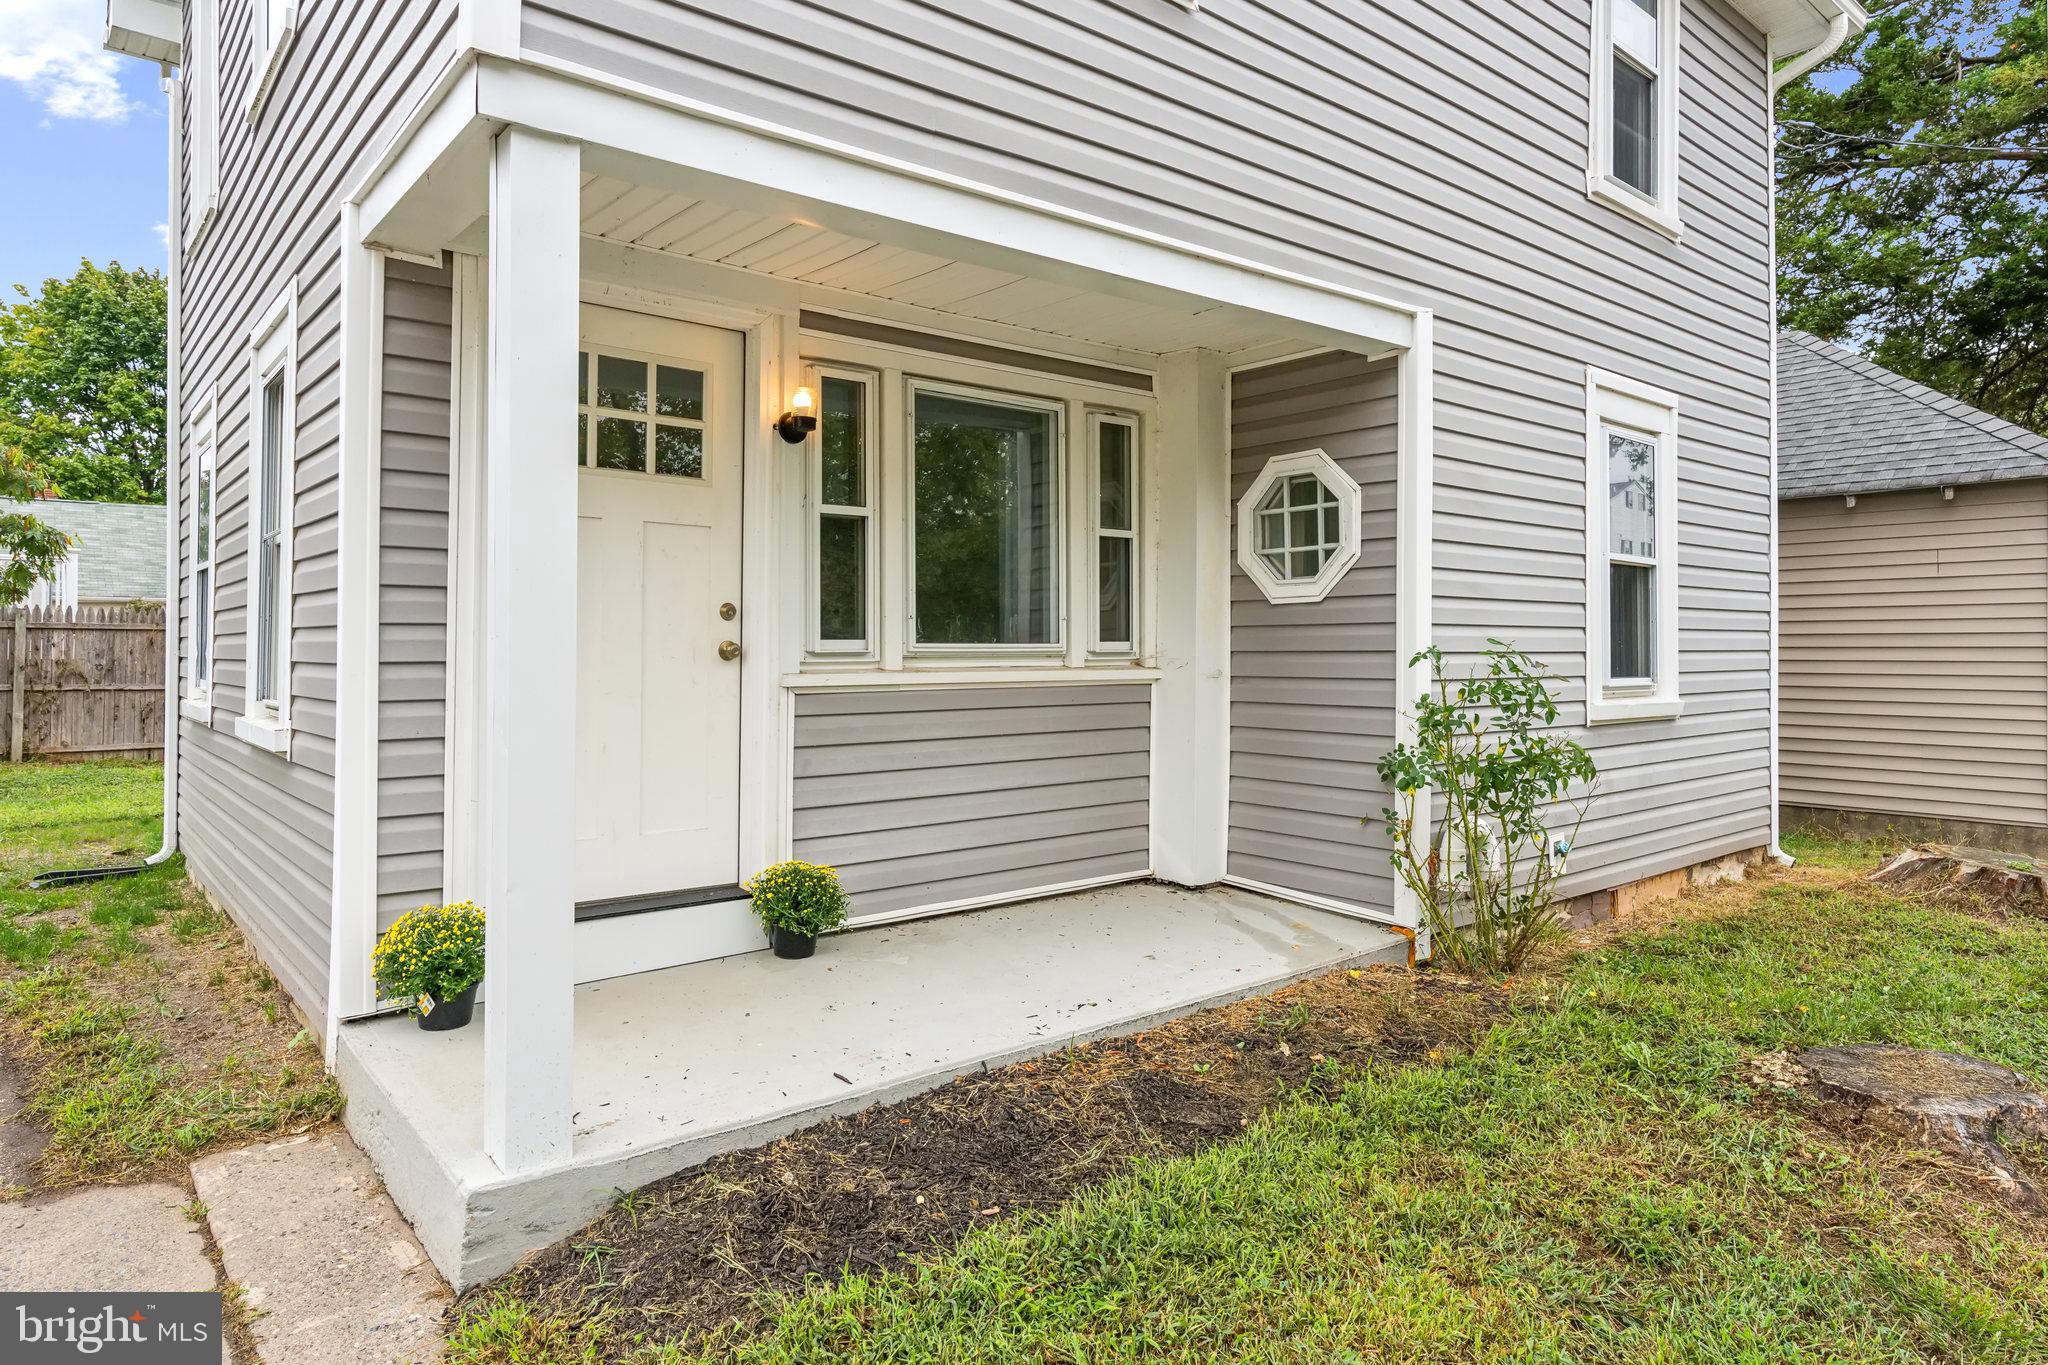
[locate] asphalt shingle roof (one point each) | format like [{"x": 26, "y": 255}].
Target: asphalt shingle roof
[
  {"x": 1848, "y": 425},
  {"x": 120, "y": 546}
]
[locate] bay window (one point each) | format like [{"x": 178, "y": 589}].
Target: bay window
[
  {"x": 1634, "y": 140},
  {"x": 1632, "y": 665}
]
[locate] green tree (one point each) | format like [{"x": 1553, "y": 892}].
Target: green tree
[
  {"x": 1911, "y": 222},
  {"x": 82, "y": 383}
]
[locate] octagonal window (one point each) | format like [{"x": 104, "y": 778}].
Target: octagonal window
[{"x": 1298, "y": 527}]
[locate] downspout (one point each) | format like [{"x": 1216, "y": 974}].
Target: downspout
[{"x": 173, "y": 490}]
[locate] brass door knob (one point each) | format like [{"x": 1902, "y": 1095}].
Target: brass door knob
[{"x": 728, "y": 650}]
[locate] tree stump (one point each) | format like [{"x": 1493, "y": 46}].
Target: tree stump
[
  {"x": 1956, "y": 1105},
  {"x": 2012, "y": 880}
]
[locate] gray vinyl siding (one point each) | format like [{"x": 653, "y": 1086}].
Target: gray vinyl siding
[
  {"x": 1427, "y": 151},
  {"x": 1914, "y": 653},
  {"x": 256, "y": 827},
  {"x": 1312, "y": 683},
  {"x": 413, "y": 587},
  {"x": 925, "y": 797}
]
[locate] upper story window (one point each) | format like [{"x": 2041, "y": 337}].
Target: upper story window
[
  {"x": 201, "y": 78},
  {"x": 1634, "y": 138},
  {"x": 271, "y": 26},
  {"x": 1632, "y": 670},
  {"x": 1298, "y": 527}
]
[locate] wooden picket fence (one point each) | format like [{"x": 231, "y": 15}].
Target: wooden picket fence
[{"x": 83, "y": 683}]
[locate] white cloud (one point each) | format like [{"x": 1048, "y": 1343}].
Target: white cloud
[
  {"x": 51, "y": 48},
  {"x": 163, "y": 234}
]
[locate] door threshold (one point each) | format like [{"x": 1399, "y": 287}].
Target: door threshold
[{"x": 658, "y": 900}]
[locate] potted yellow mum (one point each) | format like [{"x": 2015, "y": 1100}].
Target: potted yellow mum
[
  {"x": 432, "y": 959},
  {"x": 797, "y": 902}
]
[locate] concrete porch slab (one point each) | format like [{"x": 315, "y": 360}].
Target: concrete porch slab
[{"x": 676, "y": 1066}]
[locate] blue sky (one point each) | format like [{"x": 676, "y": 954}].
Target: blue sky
[{"x": 86, "y": 129}]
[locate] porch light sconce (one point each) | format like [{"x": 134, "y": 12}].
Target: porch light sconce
[{"x": 801, "y": 419}]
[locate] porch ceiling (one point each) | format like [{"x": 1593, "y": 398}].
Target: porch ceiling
[{"x": 830, "y": 266}]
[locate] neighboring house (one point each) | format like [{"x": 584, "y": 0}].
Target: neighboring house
[
  {"x": 117, "y": 553},
  {"x": 1183, "y": 369},
  {"x": 1913, "y": 606}
]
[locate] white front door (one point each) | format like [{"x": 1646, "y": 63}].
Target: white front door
[{"x": 658, "y": 590}]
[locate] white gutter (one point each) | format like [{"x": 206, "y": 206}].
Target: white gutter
[
  {"x": 1838, "y": 33},
  {"x": 174, "y": 483}
]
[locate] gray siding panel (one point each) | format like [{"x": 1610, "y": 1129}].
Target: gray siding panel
[
  {"x": 257, "y": 828},
  {"x": 933, "y": 796},
  {"x": 1311, "y": 683},
  {"x": 1430, "y": 152},
  {"x": 413, "y": 586},
  {"x": 1914, "y": 653}
]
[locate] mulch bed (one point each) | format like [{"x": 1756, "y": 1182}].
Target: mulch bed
[{"x": 693, "y": 1253}]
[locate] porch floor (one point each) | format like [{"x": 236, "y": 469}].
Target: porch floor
[{"x": 675, "y": 1066}]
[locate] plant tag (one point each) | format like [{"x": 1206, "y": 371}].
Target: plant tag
[{"x": 426, "y": 1005}]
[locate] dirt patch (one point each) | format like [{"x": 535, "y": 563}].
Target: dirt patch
[{"x": 693, "y": 1253}]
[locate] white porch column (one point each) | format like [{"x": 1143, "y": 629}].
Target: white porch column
[
  {"x": 529, "y": 769},
  {"x": 1191, "y": 703}
]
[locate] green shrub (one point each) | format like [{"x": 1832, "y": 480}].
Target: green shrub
[
  {"x": 436, "y": 950},
  {"x": 802, "y": 898}
]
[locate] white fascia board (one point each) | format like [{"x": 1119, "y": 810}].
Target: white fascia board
[
  {"x": 655, "y": 137},
  {"x": 153, "y": 30}
]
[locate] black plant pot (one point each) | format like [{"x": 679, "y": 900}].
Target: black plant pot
[
  {"x": 454, "y": 1012},
  {"x": 789, "y": 943}
]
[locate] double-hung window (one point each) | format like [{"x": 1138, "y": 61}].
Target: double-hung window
[
  {"x": 272, "y": 23},
  {"x": 1635, "y": 109},
  {"x": 984, "y": 521},
  {"x": 199, "y": 693},
  {"x": 1114, "y": 440},
  {"x": 843, "y": 530},
  {"x": 1632, "y": 666},
  {"x": 267, "y": 682},
  {"x": 201, "y": 95}
]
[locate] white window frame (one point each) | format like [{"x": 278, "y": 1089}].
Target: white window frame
[
  {"x": 1096, "y": 420},
  {"x": 1350, "y": 500},
  {"x": 818, "y": 509},
  {"x": 198, "y": 700},
  {"x": 1632, "y": 408},
  {"x": 202, "y": 101},
  {"x": 1658, "y": 210},
  {"x": 1056, "y": 648},
  {"x": 273, "y": 347},
  {"x": 272, "y": 23}
]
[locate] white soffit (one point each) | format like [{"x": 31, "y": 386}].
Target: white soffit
[
  {"x": 150, "y": 29},
  {"x": 1795, "y": 26}
]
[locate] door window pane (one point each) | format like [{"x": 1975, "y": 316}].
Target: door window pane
[
  {"x": 621, "y": 443},
  {"x": 842, "y": 578},
  {"x": 1630, "y": 621},
  {"x": 679, "y": 392},
  {"x": 1631, "y": 496},
  {"x": 679, "y": 452},
  {"x": 842, "y": 443},
  {"x": 621, "y": 383},
  {"x": 985, "y": 521},
  {"x": 1634, "y": 127}
]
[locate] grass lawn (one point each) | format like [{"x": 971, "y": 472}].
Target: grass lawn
[
  {"x": 1596, "y": 1177},
  {"x": 144, "y": 1029}
]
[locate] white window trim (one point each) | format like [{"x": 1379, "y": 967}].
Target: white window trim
[
  {"x": 1098, "y": 418},
  {"x": 273, "y": 350},
  {"x": 1349, "y": 504},
  {"x": 268, "y": 51},
  {"x": 202, "y": 145},
  {"x": 1616, "y": 402},
  {"x": 816, "y": 508},
  {"x": 1659, "y": 211},
  {"x": 198, "y": 700},
  {"x": 1059, "y": 410}
]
